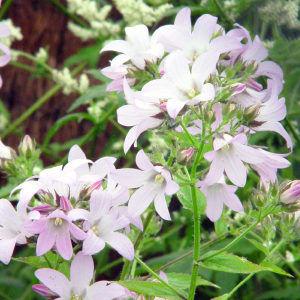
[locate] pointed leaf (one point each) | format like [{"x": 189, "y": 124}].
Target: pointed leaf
[
  {"x": 221, "y": 226},
  {"x": 223, "y": 297},
  {"x": 275, "y": 269},
  {"x": 259, "y": 246},
  {"x": 226, "y": 262},
  {"x": 154, "y": 289},
  {"x": 185, "y": 197},
  {"x": 38, "y": 262}
]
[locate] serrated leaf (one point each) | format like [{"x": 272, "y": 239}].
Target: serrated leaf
[
  {"x": 221, "y": 226},
  {"x": 94, "y": 92},
  {"x": 154, "y": 289},
  {"x": 185, "y": 197},
  {"x": 38, "y": 262},
  {"x": 259, "y": 246},
  {"x": 182, "y": 281},
  {"x": 226, "y": 262},
  {"x": 275, "y": 269}
]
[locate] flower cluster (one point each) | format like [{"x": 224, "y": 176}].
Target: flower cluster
[{"x": 208, "y": 82}]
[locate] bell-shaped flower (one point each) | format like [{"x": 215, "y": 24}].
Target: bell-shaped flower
[
  {"x": 194, "y": 43},
  {"x": 228, "y": 154},
  {"x": 55, "y": 230},
  {"x": 5, "y": 152},
  {"x": 4, "y": 59},
  {"x": 141, "y": 48},
  {"x": 153, "y": 183},
  {"x": 12, "y": 227},
  {"x": 101, "y": 225},
  {"x": 267, "y": 170},
  {"x": 81, "y": 274},
  {"x": 270, "y": 113},
  {"x": 139, "y": 114},
  {"x": 216, "y": 195},
  {"x": 181, "y": 86}
]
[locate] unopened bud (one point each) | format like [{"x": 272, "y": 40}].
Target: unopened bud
[
  {"x": 87, "y": 190},
  {"x": 239, "y": 65},
  {"x": 8, "y": 166},
  {"x": 209, "y": 116},
  {"x": 251, "y": 69},
  {"x": 185, "y": 155},
  {"x": 26, "y": 147},
  {"x": 259, "y": 200},
  {"x": 229, "y": 111},
  {"x": 268, "y": 227},
  {"x": 251, "y": 112},
  {"x": 247, "y": 207},
  {"x": 65, "y": 204},
  {"x": 290, "y": 192},
  {"x": 141, "y": 297},
  {"x": 230, "y": 71}
]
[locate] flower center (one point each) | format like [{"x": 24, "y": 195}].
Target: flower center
[
  {"x": 76, "y": 297},
  {"x": 225, "y": 148},
  {"x": 196, "y": 56},
  {"x": 95, "y": 229},
  {"x": 191, "y": 93},
  {"x": 58, "y": 222},
  {"x": 159, "y": 179}
]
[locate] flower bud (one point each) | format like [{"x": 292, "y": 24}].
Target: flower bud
[
  {"x": 251, "y": 112},
  {"x": 230, "y": 72},
  {"x": 247, "y": 207},
  {"x": 185, "y": 155},
  {"x": 268, "y": 228},
  {"x": 209, "y": 116},
  {"x": 259, "y": 200},
  {"x": 141, "y": 297},
  {"x": 85, "y": 193},
  {"x": 229, "y": 111},
  {"x": 65, "y": 204},
  {"x": 239, "y": 65},
  {"x": 251, "y": 69},
  {"x": 26, "y": 147},
  {"x": 290, "y": 192}
]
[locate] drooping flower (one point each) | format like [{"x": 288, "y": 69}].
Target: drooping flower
[
  {"x": 180, "y": 86},
  {"x": 228, "y": 154},
  {"x": 55, "y": 230},
  {"x": 12, "y": 227},
  {"x": 78, "y": 288},
  {"x": 216, "y": 195},
  {"x": 101, "y": 225},
  {"x": 290, "y": 192},
  {"x": 153, "y": 183}
]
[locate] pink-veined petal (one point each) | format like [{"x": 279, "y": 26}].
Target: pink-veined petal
[
  {"x": 214, "y": 205},
  {"x": 7, "y": 247},
  {"x": 105, "y": 290},
  {"x": 248, "y": 154},
  {"x": 161, "y": 207},
  {"x": 143, "y": 162},
  {"x": 93, "y": 244},
  {"x": 183, "y": 19}
]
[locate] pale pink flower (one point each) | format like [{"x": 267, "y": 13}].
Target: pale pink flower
[
  {"x": 153, "y": 183},
  {"x": 55, "y": 230},
  {"x": 163, "y": 276},
  {"x": 4, "y": 59},
  {"x": 5, "y": 152},
  {"x": 101, "y": 225},
  {"x": 182, "y": 86},
  {"x": 194, "y": 43},
  {"x": 12, "y": 227},
  {"x": 267, "y": 170},
  {"x": 216, "y": 195},
  {"x": 228, "y": 154},
  {"x": 290, "y": 192},
  {"x": 139, "y": 114},
  {"x": 81, "y": 274}
]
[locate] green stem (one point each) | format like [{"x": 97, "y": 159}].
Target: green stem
[
  {"x": 48, "y": 262},
  {"x": 292, "y": 129},
  {"x": 170, "y": 161},
  {"x": 137, "y": 243},
  {"x": 196, "y": 245},
  {"x": 65, "y": 11},
  {"x": 251, "y": 275},
  {"x": 116, "y": 124},
  {"x": 38, "y": 103},
  {"x": 5, "y": 8},
  {"x": 158, "y": 278},
  {"x": 22, "y": 66},
  {"x": 110, "y": 265},
  {"x": 34, "y": 59},
  {"x": 238, "y": 238},
  {"x": 192, "y": 140},
  {"x": 223, "y": 13}
]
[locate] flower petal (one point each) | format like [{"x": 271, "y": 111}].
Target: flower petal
[
  {"x": 105, "y": 290},
  {"x": 7, "y": 247},
  {"x": 161, "y": 207},
  {"x": 93, "y": 244}
]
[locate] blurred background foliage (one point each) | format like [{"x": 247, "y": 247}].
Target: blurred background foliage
[{"x": 59, "y": 112}]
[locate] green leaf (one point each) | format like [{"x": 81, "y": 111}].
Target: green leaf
[
  {"x": 259, "y": 246},
  {"x": 275, "y": 269},
  {"x": 94, "y": 92},
  {"x": 223, "y": 297},
  {"x": 183, "y": 281},
  {"x": 38, "y": 262},
  {"x": 185, "y": 197},
  {"x": 64, "y": 268},
  {"x": 61, "y": 122},
  {"x": 221, "y": 226},
  {"x": 226, "y": 262},
  {"x": 154, "y": 289}
]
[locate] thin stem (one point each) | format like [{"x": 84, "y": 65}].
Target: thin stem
[
  {"x": 292, "y": 129},
  {"x": 110, "y": 265},
  {"x": 189, "y": 135},
  {"x": 116, "y": 124},
  {"x": 34, "y": 59},
  {"x": 238, "y": 238},
  {"x": 65, "y": 11},
  {"x": 223, "y": 13},
  {"x": 48, "y": 262},
  {"x": 137, "y": 243},
  {"x": 149, "y": 270},
  {"x": 251, "y": 275},
  {"x": 5, "y": 8}
]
